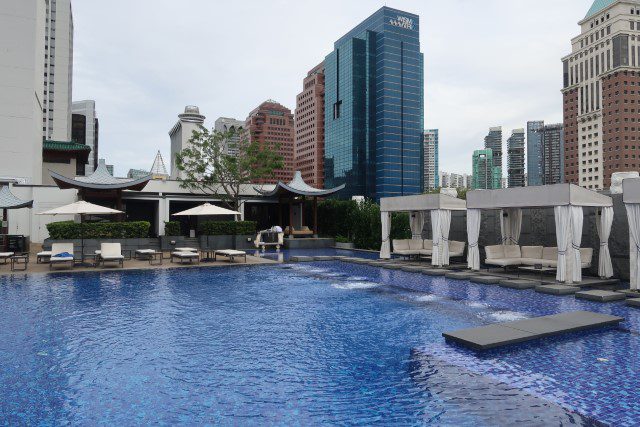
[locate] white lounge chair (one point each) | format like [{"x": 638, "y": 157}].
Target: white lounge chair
[
  {"x": 57, "y": 254},
  {"x": 111, "y": 252},
  {"x": 143, "y": 253},
  {"x": 408, "y": 248},
  {"x": 456, "y": 249},
  {"x": 513, "y": 255},
  {"x": 185, "y": 256},
  {"x": 185, "y": 250},
  {"x": 5, "y": 256},
  {"x": 42, "y": 256},
  {"x": 231, "y": 254}
]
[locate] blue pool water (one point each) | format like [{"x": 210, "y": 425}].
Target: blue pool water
[{"x": 320, "y": 343}]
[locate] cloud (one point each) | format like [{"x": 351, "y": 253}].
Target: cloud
[{"x": 495, "y": 62}]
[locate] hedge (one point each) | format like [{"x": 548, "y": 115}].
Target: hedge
[
  {"x": 359, "y": 223},
  {"x": 98, "y": 230},
  {"x": 172, "y": 228},
  {"x": 226, "y": 228}
]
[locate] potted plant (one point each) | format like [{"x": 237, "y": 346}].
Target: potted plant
[{"x": 343, "y": 243}]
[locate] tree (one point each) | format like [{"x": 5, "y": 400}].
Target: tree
[{"x": 208, "y": 167}]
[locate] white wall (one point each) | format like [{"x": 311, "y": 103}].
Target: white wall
[{"x": 22, "y": 29}]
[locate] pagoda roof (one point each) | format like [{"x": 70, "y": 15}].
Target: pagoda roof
[
  {"x": 9, "y": 201},
  {"x": 65, "y": 146},
  {"x": 101, "y": 179},
  {"x": 298, "y": 187}
]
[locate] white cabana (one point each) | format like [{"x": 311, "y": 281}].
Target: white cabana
[
  {"x": 631, "y": 198},
  {"x": 567, "y": 201},
  {"x": 440, "y": 206}
]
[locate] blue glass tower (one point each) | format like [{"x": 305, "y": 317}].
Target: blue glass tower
[{"x": 374, "y": 108}]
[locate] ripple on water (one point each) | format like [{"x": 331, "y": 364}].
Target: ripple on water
[
  {"x": 428, "y": 298},
  {"x": 355, "y": 285},
  {"x": 504, "y": 316}
]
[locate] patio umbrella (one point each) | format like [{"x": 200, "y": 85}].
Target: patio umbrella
[
  {"x": 206, "y": 210},
  {"x": 81, "y": 208}
]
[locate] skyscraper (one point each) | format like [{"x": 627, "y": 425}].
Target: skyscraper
[
  {"x": 309, "y": 146},
  {"x": 553, "y": 154},
  {"x": 374, "y": 109},
  {"x": 431, "y": 175},
  {"x": 546, "y": 144},
  {"x": 534, "y": 152},
  {"x": 486, "y": 176},
  {"x": 22, "y": 43},
  {"x": 493, "y": 142},
  {"x": 600, "y": 77},
  {"x": 515, "y": 159},
  {"x": 180, "y": 134},
  {"x": 58, "y": 71},
  {"x": 84, "y": 130},
  {"x": 226, "y": 124},
  {"x": 272, "y": 123}
]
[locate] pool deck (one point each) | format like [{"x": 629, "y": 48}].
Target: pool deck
[
  {"x": 132, "y": 264},
  {"x": 502, "y": 334}
]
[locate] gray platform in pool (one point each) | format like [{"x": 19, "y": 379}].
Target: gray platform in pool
[{"x": 498, "y": 335}]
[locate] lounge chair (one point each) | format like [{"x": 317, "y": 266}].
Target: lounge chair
[
  {"x": 513, "y": 255},
  {"x": 5, "y": 256},
  {"x": 111, "y": 252},
  {"x": 61, "y": 253},
  {"x": 185, "y": 250},
  {"x": 43, "y": 256},
  {"x": 456, "y": 249},
  {"x": 230, "y": 254},
  {"x": 143, "y": 254},
  {"x": 185, "y": 256},
  {"x": 408, "y": 248},
  {"x": 303, "y": 231}
]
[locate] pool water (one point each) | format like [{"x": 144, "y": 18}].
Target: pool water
[{"x": 301, "y": 344}]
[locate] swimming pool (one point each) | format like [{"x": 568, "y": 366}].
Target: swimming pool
[{"x": 319, "y": 343}]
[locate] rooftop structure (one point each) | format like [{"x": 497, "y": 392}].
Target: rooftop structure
[{"x": 180, "y": 134}]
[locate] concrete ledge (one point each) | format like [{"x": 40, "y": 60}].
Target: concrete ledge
[
  {"x": 323, "y": 258},
  {"x": 519, "y": 284},
  {"x": 486, "y": 280},
  {"x": 499, "y": 335},
  {"x": 459, "y": 275},
  {"x": 600, "y": 296},
  {"x": 301, "y": 259},
  {"x": 557, "y": 289},
  {"x": 434, "y": 272},
  {"x": 629, "y": 293},
  {"x": 634, "y": 302},
  {"x": 412, "y": 269}
]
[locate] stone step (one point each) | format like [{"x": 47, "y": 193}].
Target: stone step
[
  {"x": 557, "y": 289},
  {"x": 601, "y": 296},
  {"x": 519, "y": 284}
]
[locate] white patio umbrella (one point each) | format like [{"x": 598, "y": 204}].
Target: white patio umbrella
[
  {"x": 81, "y": 208},
  {"x": 206, "y": 210}
]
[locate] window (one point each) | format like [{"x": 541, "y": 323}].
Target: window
[{"x": 336, "y": 110}]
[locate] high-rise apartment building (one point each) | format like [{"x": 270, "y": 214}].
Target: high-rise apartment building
[
  {"x": 534, "y": 152},
  {"x": 84, "y": 130},
  {"x": 430, "y": 172},
  {"x": 58, "y": 71},
  {"x": 601, "y": 76},
  {"x": 493, "y": 142},
  {"x": 22, "y": 43},
  {"x": 454, "y": 180},
  {"x": 553, "y": 154},
  {"x": 374, "y": 109},
  {"x": 180, "y": 134},
  {"x": 272, "y": 123},
  {"x": 546, "y": 144},
  {"x": 486, "y": 176},
  {"x": 515, "y": 159},
  {"x": 309, "y": 146},
  {"x": 226, "y": 124}
]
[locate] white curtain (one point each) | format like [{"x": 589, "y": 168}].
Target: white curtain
[
  {"x": 563, "y": 229},
  {"x": 633, "y": 214},
  {"x": 385, "y": 250},
  {"x": 436, "y": 234},
  {"x": 510, "y": 225},
  {"x": 473, "y": 233},
  {"x": 417, "y": 224},
  {"x": 604, "y": 221},
  {"x": 445, "y": 226},
  {"x": 577, "y": 217}
]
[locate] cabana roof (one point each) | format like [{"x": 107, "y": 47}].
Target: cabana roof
[
  {"x": 422, "y": 202},
  {"x": 536, "y": 197},
  {"x": 298, "y": 187},
  {"x": 631, "y": 190},
  {"x": 9, "y": 201},
  {"x": 101, "y": 179}
]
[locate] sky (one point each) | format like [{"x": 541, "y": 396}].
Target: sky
[{"x": 487, "y": 63}]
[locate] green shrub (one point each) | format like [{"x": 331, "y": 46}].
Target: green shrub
[
  {"x": 228, "y": 228},
  {"x": 342, "y": 239},
  {"x": 335, "y": 217},
  {"x": 172, "y": 228},
  {"x": 98, "y": 230}
]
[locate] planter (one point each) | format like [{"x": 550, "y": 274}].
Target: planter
[
  {"x": 165, "y": 242},
  {"x": 220, "y": 242},
  {"x": 348, "y": 245}
]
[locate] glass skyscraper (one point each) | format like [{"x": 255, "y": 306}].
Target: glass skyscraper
[{"x": 374, "y": 108}]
